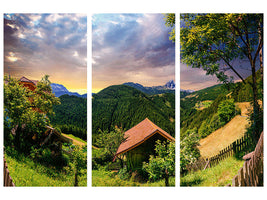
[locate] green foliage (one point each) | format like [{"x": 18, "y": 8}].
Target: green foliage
[
  {"x": 79, "y": 161},
  {"x": 243, "y": 92},
  {"x": 226, "y": 110},
  {"x": 210, "y": 125},
  {"x": 170, "y": 22},
  {"x": 124, "y": 174},
  {"x": 25, "y": 111},
  {"x": 196, "y": 118},
  {"x": 108, "y": 143},
  {"x": 163, "y": 164},
  {"x": 189, "y": 152}
]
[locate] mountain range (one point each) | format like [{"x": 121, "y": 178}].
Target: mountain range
[
  {"x": 60, "y": 90},
  {"x": 169, "y": 87}
]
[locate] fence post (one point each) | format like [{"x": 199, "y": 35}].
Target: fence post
[
  {"x": 234, "y": 147},
  {"x": 235, "y": 181},
  {"x": 241, "y": 177}
]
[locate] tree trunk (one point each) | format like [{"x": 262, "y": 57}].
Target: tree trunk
[
  {"x": 18, "y": 137},
  {"x": 167, "y": 178},
  {"x": 256, "y": 122},
  {"x": 76, "y": 179},
  {"x": 121, "y": 163}
]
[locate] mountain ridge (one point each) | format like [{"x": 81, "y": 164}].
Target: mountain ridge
[
  {"x": 59, "y": 90},
  {"x": 169, "y": 87}
]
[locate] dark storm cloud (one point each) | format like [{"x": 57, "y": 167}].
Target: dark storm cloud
[{"x": 133, "y": 42}]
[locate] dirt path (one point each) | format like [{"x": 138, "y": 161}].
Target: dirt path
[
  {"x": 221, "y": 138},
  {"x": 75, "y": 142}
]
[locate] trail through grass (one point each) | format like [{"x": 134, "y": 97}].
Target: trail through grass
[
  {"x": 220, "y": 175},
  {"x": 76, "y": 140}
]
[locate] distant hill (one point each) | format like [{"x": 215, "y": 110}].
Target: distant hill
[
  {"x": 184, "y": 93},
  {"x": 125, "y": 106},
  {"x": 169, "y": 87},
  {"x": 60, "y": 90}
]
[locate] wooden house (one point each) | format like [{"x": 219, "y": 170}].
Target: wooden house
[
  {"x": 30, "y": 84},
  {"x": 140, "y": 143}
]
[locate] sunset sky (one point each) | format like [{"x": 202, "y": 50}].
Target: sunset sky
[
  {"x": 53, "y": 44},
  {"x": 131, "y": 48}
]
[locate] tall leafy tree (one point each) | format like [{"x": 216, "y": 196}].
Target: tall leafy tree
[
  {"x": 25, "y": 110},
  {"x": 109, "y": 142},
  {"x": 214, "y": 41}
]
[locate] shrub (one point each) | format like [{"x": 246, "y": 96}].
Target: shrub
[{"x": 226, "y": 110}]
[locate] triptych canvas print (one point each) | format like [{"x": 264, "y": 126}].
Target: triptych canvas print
[{"x": 162, "y": 110}]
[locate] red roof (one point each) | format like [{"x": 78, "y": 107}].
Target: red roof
[
  {"x": 24, "y": 79},
  {"x": 139, "y": 134}
]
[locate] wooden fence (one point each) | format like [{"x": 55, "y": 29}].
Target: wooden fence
[
  {"x": 7, "y": 178},
  {"x": 251, "y": 174},
  {"x": 234, "y": 148}
]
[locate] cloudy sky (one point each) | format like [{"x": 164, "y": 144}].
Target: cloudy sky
[
  {"x": 131, "y": 48},
  {"x": 53, "y": 44}
]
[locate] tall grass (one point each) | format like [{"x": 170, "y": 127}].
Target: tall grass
[
  {"x": 107, "y": 178},
  {"x": 220, "y": 175},
  {"x": 25, "y": 172}
]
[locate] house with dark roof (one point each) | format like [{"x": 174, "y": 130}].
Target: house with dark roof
[{"x": 140, "y": 142}]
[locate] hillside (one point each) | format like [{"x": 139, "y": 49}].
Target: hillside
[
  {"x": 190, "y": 117},
  {"x": 125, "y": 106},
  {"x": 199, "y": 108},
  {"x": 221, "y": 138},
  {"x": 71, "y": 116}
]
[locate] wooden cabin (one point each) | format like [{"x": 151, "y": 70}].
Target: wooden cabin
[
  {"x": 30, "y": 84},
  {"x": 140, "y": 143}
]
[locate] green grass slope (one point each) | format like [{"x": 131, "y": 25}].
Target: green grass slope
[{"x": 26, "y": 172}]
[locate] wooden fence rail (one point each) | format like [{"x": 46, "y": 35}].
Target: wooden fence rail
[
  {"x": 251, "y": 174},
  {"x": 7, "y": 178},
  {"x": 230, "y": 150}
]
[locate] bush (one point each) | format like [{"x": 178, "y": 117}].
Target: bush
[
  {"x": 163, "y": 165},
  {"x": 124, "y": 174},
  {"x": 189, "y": 152},
  {"x": 226, "y": 110}
]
